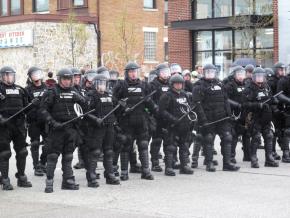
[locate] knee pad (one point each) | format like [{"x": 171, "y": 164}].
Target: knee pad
[
  {"x": 208, "y": 138},
  {"x": 156, "y": 141},
  {"x": 96, "y": 153},
  {"x": 108, "y": 152},
  {"x": 143, "y": 145},
  {"x": 171, "y": 148},
  {"x": 52, "y": 157},
  {"x": 121, "y": 138},
  {"x": 227, "y": 137},
  {"x": 5, "y": 155},
  {"x": 269, "y": 135},
  {"x": 68, "y": 157},
  {"x": 22, "y": 153},
  {"x": 287, "y": 132}
]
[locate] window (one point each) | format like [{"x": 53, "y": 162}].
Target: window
[
  {"x": 204, "y": 40},
  {"x": 264, "y": 7},
  {"x": 223, "y": 8},
  {"x": 203, "y": 9},
  {"x": 78, "y": 3},
  {"x": 150, "y": 46},
  {"x": 223, "y": 40},
  {"x": 149, "y": 4},
  {"x": 15, "y": 7},
  {"x": 244, "y": 7},
  {"x": 4, "y": 8},
  {"x": 166, "y": 12},
  {"x": 40, "y": 5}
]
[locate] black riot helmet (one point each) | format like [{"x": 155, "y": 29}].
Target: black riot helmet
[
  {"x": 65, "y": 74},
  {"x": 269, "y": 72},
  {"x": 35, "y": 75},
  {"x": 77, "y": 76},
  {"x": 134, "y": 68},
  {"x": 175, "y": 69},
  {"x": 163, "y": 71},
  {"x": 210, "y": 72},
  {"x": 239, "y": 73},
  {"x": 100, "y": 83},
  {"x": 152, "y": 75},
  {"x": 114, "y": 74},
  {"x": 280, "y": 69},
  {"x": 104, "y": 71},
  {"x": 7, "y": 75},
  {"x": 176, "y": 78},
  {"x": 259, "y": 76}
]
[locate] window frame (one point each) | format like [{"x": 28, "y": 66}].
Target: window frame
[
  {"x": 9, "y": 13},
  {"x": 153, "y": 31},
  {"x": 35, "y": 7},
  {"x": 149, "y": 8},
  {"x": 70, "y": 4}
]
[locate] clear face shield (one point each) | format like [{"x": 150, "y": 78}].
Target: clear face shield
[
  {"x": 178, "y": 86},
  {"x": 100, "y": 85},
  {"x": 165, "y": 73},
  {"x": 106, "y": 74},
  {"x": 281, "y": 71},
  {"x": 240, "y": 75},
  {"x": 77, "y": 79},
  {"x": 210, "y": 74},
  {"x": 66, "y": 81},
  {"x": 175, "y": 69},
  {"x": 8, "y": 78},
  {"x": 36, "y": 76},
  {"x": 113, "y": 76},
  {"x": 134, "y": 74},
  {"x": 259, "y": 78},
  {"x": 151, "y": 77}
]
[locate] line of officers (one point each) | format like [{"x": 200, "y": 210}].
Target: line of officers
[{"x": 106, "y": 117}]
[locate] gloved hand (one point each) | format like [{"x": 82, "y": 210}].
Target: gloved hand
[
  {"x": 78, "y": 98},
  {"x": 2, "y": 120},
  {"x": 96, "y": 120},
  {"x": 56, "y": 125},
  {"x": 35, "y": 101}
]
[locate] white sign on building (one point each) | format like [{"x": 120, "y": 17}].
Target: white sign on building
[
  {"x": 11, "y": 39},
  {"x": 284, "y": 30}
]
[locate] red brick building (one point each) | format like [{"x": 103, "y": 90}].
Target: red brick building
[{"x": 219, "y": 32}]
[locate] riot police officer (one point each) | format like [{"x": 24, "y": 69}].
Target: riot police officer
[
  {"x": 212, "y": 105},
  {"x": 57, "y": 108},
  {"x": 172, "y": 106},
  {"x": 36, "y": 125},
  {"x": 13, "y": 98},
  {"x": 133, "y": 120},
  {"x": 234, "y": 89},
  {"x": 161, "y": 85},
  {"x": 256, "y": 93},
  {"x": 102, "y": 135}
]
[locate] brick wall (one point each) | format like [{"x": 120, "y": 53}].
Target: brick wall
[
  {"x": 276, "y": 30},
  {"x": 110, "y": 18},
  {"x": 180, "y": 41}
]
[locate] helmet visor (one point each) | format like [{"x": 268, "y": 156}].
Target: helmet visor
[
  {"x": 37, "y": 75},
  {"x": 259, "y": 77},
  {"x": 175, "y": 69},
  {"x": 8, "y": 78},
  {"x": 165, "y": 73},
  {"x": 210, "y": 74},
  {"x": 134, "y": 74},
  {"x": 240, "y": 75},
  {"x": 91, "y": 76},
  {"x": 100, "y": 85}
]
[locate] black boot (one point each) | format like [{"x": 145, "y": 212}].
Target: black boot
[
  {"x": 108, "y": 165},
  {"x": 115, "y": 169},
  {"x": 155, "y": 148},
  {"x": 270, "y": 161},
  {"x": 80, "y": 164},
  {"x": 69, "y": 184},
  {"x": 195, "y": 155},
  {"x": 135, "y": 167},
  {"x": 38, "y": 170},
  {"x": 6, "y": 186},
  {"x": 91, "y": 174},
  {"x": 144, "y": 158},
  {"x": 22, "y": 181},
  {"x": 286, "y": 156},
  {"x": 210, "y": 167},
  {"x": 124, "y": 166},
  {"x": 49, "y": 186},
  {"x": 215, "y": 162},
  {"x": 227, "y": 164},
  {"x": 183, "y": 156},
  {"x": 35, "y": 158},
  {"x": 168, "y": 163},
  {"x": 92, "y": 180}
]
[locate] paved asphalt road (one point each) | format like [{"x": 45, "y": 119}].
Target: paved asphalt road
[{"x": 249, "y": 193}]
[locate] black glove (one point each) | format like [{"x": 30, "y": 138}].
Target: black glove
[
  {"x": 56, "y": 125},
  {"x": 96, "y": 120},
  {"x": 35, "y": 101},
  {"x": 78, "y": 98},
  {"x": 2, "y": 120}
]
